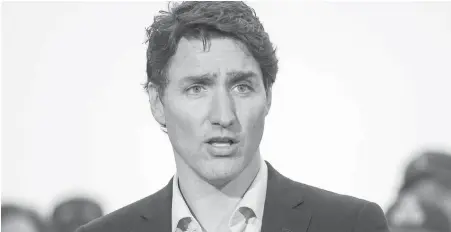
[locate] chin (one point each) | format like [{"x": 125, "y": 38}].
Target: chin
[{"x": 221, "y": 170}]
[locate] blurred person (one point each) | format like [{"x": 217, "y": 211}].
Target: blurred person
[
  {"x": 210, "y": 69},
  {"x": 19, "y": 219},
  {"x": 70, "y": 214},
  {"x": 428, "y": 178},
  {"x": 410, "y": 214}
]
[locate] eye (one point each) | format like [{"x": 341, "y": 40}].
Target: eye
[
  {"x": 243, "y": 88},
  {"x": 195, "y": 89}
]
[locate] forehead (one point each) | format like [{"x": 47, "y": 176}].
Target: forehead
[{"x": 222, "y": 56}]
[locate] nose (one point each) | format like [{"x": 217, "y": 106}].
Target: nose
[{"x": 222, "y": 110}]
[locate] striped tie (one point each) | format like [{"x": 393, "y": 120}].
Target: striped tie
[
  {"x": 186, "y": 224},
  {"x": 243, "y": 221},
  {"x": 247, "y": 213}
]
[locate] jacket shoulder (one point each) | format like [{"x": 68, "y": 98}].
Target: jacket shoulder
[
  {"x": 123, "y": 219},
  {"x": 324, "y": 199},
  {"x": 333, "y": 209}
]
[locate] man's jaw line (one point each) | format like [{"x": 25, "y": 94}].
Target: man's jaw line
[{"x": 223, "y": 186}]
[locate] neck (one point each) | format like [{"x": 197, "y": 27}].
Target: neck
[{"x": 213, "y": 204}]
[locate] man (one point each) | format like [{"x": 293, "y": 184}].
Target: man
[
  {"x": 410, "y": 214},
  {"x": 210, "y": 70},
  {"x": 428, "y": 178},
  {"x": 19, "y": 219},
  {"x": 72, "y": 213}
]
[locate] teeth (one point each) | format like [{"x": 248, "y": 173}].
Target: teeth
[{"x": 220, "y": 144}]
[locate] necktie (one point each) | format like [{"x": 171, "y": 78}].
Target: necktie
[
  {"x": 244, "y": 221},
  {"x": 247, "y": 213},
  {"x": 186, "y": 224}
]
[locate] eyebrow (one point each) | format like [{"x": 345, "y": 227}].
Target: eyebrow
[
  {"x": 238, "y": 76},
  {"x": 210, "y": 78},
  {"x": 207, "y": 78}
]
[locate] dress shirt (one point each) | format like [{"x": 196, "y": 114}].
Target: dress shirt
[{"x": 247, "y": 216}]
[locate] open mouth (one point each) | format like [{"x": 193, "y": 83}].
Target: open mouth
[
  {"x": 222, "y": 141},
  {"x": 222, "y": 146}
]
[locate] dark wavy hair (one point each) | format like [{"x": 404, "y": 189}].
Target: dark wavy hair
[{"x": 206, "y": 20}]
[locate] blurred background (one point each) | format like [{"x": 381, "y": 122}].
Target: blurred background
[{"x": 362, "y": 98}]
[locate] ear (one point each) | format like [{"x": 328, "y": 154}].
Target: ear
[
  {"x": 156, "y": 104},
  {"x": 268, "y": 100}
]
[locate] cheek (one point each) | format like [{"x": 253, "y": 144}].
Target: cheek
[
  {"x": 253, "y": 119},
  {"x": 183, "y": 122}
]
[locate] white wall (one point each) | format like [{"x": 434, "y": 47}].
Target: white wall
[{"x": 361, "y": 87}]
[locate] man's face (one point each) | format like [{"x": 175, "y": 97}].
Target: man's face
[
  {"x": 18, "y": 224},
  {"x": 430, "y": 191},
  {"x": 214, "y": 107}
]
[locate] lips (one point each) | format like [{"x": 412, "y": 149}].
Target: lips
[
  {"x": 222, "y": 146},
  {"x": 222, "y": 141}
]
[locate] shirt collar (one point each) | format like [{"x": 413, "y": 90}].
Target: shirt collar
[
  {"x": 254, "y": 198},
  {"x": 179, "y": 206}
]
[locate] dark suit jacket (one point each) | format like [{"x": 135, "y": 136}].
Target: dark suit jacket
[{"x": 289, "y": 206}]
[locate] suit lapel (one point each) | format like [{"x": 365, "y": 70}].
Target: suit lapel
[
  {"x": 284, "y": 210},
  {"x": 156, "y": 215}
]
